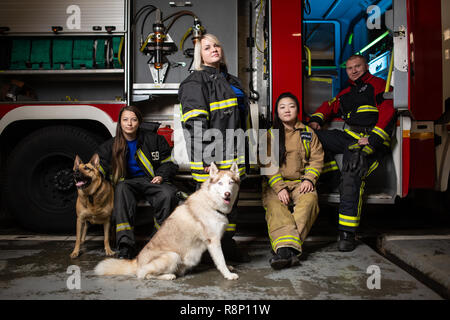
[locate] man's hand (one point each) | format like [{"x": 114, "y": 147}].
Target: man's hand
[
  {"x": 363, "y": 141},
  {"x": 284, "y": 197},
  {"x": 306, "y": 186},
  {"x": 207, "y": 169},
  {"x": 314, "y": 125},
  {"x": 157, "y": 180}
]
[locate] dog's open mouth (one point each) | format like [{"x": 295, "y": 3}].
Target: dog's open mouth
[
  {"x": 227, "y": 200},
  {"x": 81, "y": 181}
]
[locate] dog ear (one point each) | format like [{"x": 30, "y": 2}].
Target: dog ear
[
  {"x": 234, "y": 169},
  {"x": 213, "y": 169},
  {"x": 95, "y": 160},
  {"x": 77, "y": 162}
]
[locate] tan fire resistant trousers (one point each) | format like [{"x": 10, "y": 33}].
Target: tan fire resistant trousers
[{"x": 288, "y": 229}]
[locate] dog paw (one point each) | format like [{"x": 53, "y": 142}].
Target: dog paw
[
  {"x": 169, "y": 276},
  {"x": 109, "y": 252},
  {"x": 74, "y": 254},
  {"x": 232, "y": 276}
]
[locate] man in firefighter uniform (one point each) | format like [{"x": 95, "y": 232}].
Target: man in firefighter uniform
[{"x": 369, "y": 121}]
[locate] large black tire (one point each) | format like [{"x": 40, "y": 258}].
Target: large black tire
[{"x": 40, "y": 191}]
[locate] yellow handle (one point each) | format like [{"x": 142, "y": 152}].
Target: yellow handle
[{"x": 391, "y": 65}]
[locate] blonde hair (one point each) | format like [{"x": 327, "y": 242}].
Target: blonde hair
[{"x": 198, "y": 61}]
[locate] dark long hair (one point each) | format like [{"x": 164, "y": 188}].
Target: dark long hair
[
  {"x": 278, "y": 124},
  {"x": 118, "y": 163}
]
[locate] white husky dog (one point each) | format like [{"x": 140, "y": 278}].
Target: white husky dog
[{"x": 196, "y": 225}]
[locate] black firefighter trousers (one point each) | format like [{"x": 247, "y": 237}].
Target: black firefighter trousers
[
  {"x": 351, "y": 187},
  {"x": 162, "y": 198}
]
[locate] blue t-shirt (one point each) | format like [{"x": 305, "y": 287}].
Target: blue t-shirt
[
  {"x": 133, "y": 168},
  {"x": 241, "y": 105},
  {"x": 239, "y": 96}
]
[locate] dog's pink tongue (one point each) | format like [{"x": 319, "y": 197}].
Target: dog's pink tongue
[
  {"x": 79, "y": 184},
  {"x": 226, "y": 201}
]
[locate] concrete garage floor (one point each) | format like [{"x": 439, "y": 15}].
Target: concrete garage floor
[{"x": 36, "y": 268}]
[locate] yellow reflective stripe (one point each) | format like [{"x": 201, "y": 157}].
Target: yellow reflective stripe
[
  {"x": 348, "y": 217},
  {"x": 230, "y": 161},
  {"x": 372, "y": 167},
  {"x": 223, "y": 104},
  {"x": 156, "y": 224},
  {"x": 368, "y": 149},
  {"x": 381, "y": 133},
  {"x": 353, "y": 134},
  {"x": 181, "y": 113},
  {"x": 367, "y": 108},
  {"x": 275, "y": 179},
  {"x": 318, "y": 114},
  {"x": 354, "y": 146},
  {"x": 102, "y": 170},
  {"x": 306, "y": 144},
  {"x": 313, "y": 171},
  {"x": 349, "y": 221},
  {"x": 145, "y": 162},
  {"x": 168, "y": 159},
  {"x": 288, "y": 238},
  {"x": 123, "y": 226},
  {"x": 195, "y": 113},
  {"x": 200, "y": 177},
  {"x": 330, "y": 166},
  {"x": 231, "y": 227},
  {"x": 197, "y": 165},
  {"x": 361, "y": 191}
]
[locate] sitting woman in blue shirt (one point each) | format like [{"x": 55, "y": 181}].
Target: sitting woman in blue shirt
[{"x": 140, "y": 165}]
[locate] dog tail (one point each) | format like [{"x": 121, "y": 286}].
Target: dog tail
[{"x": 116, "y": 267}]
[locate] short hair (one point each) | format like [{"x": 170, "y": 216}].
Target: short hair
[
  {"x": 357, "y": 56},
  {"x": 198, "y": 61}
]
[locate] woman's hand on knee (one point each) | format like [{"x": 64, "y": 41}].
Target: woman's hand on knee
[
  {"x": 284, "y": 197},
  {"x": 306, "y": 186}
]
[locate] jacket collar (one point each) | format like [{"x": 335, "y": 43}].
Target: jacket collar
[
  {"x": 212, "y": 70},
  {"x": 363, "y": 79},
  {"x": 298, "y": 126}
]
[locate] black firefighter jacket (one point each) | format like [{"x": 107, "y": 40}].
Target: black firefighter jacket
[
  {"x": 153, "y": 155},
  {"x": 208, "y": 102}
]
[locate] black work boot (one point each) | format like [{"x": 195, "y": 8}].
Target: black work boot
[
  {"x": 232, "y": 252},
  {"x": 346, "y": 241},
  {"x": 126, "y": 251},
  {"x": 284, "y": 258}
]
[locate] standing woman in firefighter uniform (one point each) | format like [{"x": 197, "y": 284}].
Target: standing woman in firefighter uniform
[
  {"x": 140, "y": 165},
  {"x": 211, "y": 98},
  {"x": 293, "y": 184},
  {"x": 369, "y": 120}
]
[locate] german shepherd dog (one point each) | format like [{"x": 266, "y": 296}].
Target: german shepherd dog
[
  {"x": 195, "y": 226},
  {"x": 94, "y": 203}
]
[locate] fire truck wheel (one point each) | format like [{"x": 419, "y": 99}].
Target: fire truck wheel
[{"x": 40, "y": 190}]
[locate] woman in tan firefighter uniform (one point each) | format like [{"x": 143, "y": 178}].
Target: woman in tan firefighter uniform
[
  {"x": 213, "y": 102},
  {"x": 293, "y": 183},
  {"x": 140, "y": 166}
]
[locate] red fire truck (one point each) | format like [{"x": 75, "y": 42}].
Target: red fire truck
[{"x": 68, "y": 66}]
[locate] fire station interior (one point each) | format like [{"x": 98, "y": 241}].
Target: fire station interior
[{"x": 91, "y": 68}]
